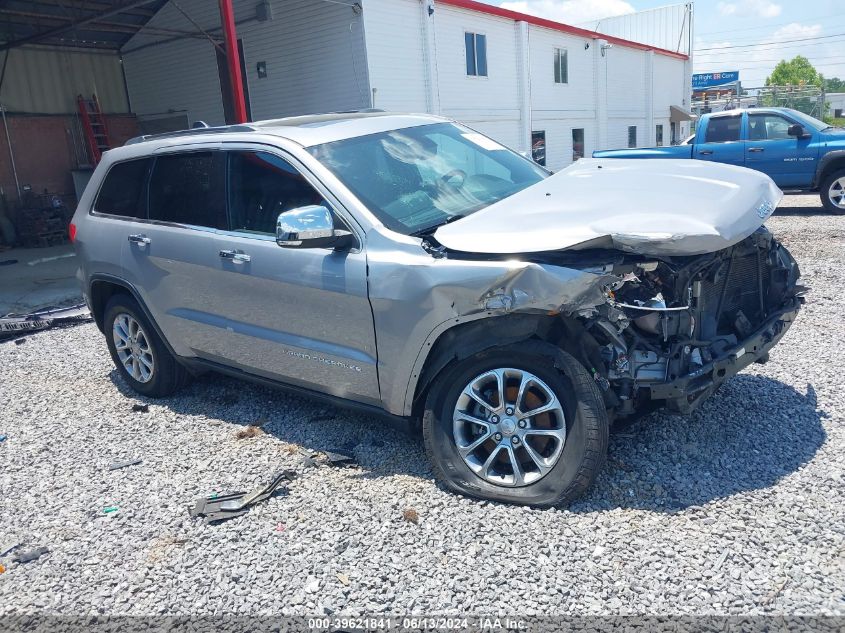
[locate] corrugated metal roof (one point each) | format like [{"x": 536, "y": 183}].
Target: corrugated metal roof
[{"x": 103, "y": 24}]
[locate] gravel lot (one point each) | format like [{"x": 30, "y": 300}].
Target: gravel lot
[{"x": 738, "y": 509}]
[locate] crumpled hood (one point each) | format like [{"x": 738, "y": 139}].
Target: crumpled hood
[{"x": 652, "y": 207}]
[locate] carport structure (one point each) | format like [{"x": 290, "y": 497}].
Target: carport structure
[{"x": 63, "y": 100}]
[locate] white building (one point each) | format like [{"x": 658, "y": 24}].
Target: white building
[
  {"x": 523, "y": 80},
  {"x": 836, "y": 104}
]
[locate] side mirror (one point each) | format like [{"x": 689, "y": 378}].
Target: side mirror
[
  {"x": 311, "y": 226},
  {"x": 796, "y": 129}
]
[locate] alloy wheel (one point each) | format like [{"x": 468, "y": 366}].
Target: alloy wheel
[
  {"x": 133, "y": 347},
  {"x": 509, "y": 427},
  {"x": 836, "y": 192}
]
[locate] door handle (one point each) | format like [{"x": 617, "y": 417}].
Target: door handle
[
  {"x": 756, "y": 149},
  {"x": 143, "y": 240},
  {"x": 706, "y": 152},
  {"x": 235, "y": 256}
]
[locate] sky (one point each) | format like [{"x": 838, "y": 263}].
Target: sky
[{"x": 750, "y": 36}]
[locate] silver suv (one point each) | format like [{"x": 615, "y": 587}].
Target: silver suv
[{"x": 412, "y": 267}]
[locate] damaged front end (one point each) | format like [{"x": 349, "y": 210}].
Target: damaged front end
[{"x": 673, "y": 329}]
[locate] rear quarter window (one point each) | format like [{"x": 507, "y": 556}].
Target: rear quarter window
[{"x": 122, "y": 192}]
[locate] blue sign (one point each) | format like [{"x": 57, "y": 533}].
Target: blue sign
[{"x": 713, "y": 80}]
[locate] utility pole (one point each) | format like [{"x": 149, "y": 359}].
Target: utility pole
[{"x": 233, "y": 59}]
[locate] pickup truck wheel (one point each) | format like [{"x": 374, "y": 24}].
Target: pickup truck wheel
[
  {"x": 832, "y": 192},
  {"x": 516, "y": 426},
  {"x": 140, "y": 356}
]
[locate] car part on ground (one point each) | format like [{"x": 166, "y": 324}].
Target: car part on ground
[
  {"x": 27, "y": 556},
  {"x": 217, "y": 508},
  {"x": 17, "y": 325},
  {"x": 125, "y": 464}
]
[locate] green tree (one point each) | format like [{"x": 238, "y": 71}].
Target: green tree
[
  {"x": 834, "y": 84},
  {"x": 795, "y": 72}
]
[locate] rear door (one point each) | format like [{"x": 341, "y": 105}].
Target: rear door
[
  {"x": 722, "y": 140},
  {"x": 170, "y": 255},
  {"x": 301, "y": 316},
  {"x": 788, "y": 160}
]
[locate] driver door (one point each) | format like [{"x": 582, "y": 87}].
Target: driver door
[
  {"x": 301, "y": 316},
  {"x": 788, "y": 160}
]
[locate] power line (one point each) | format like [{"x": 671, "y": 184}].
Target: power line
[
  {"x": 777, "y": 43},
  {"x": 815, "y": 28},
  {"x": 768, "y": 26},
  {"x": 837, "y": 57},
  {"x": 767, "y": 66},
  {"x": 771, "y": 49}
]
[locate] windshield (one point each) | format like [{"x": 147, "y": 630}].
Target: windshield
[{"x": 418, "y": 178}]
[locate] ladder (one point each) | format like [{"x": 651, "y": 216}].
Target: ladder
[{"x": 94, "y": 126}]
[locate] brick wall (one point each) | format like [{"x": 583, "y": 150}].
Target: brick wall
[{"x": 45, "y": 153}]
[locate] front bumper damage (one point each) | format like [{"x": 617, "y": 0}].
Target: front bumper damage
[{"x": 686, "y": 393}]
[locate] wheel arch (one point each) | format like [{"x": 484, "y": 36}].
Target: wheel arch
[
  {"x": 829, "y": 163},
  {"x": 546, "y": 334},
  {"x": 103, "y": 287}
]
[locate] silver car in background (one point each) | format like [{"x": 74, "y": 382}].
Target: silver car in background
[{"x": 410, "y": 266}]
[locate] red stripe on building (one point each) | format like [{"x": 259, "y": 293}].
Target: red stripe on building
[{"x": 489, "y": 9}]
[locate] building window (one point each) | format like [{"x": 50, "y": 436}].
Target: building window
[
  {"x": 837, "y": 113},
  {"x": 561, "y": 67},
  {"x": 577, "y": 143},
  {"x": 673, "y": 133},
  {"x": 538, "y": 147},
  {"x": 658, "y": 134},
  {"x": 476, "y": 47},
  {"x": 632, "y": 136}
]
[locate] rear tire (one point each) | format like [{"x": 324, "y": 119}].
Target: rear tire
[
  {"x": 832, "y": 192},
  {"x": 502, "y": 468},
  {"x": 141, "y": 357}
]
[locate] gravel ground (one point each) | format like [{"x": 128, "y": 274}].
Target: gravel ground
[{"x": 738, "y": 509}]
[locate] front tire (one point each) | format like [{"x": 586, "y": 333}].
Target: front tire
[
  {"x": 141, "y": 357},
  {"x": 832, "y": 192},
  {"x": 522, "y": 424}
]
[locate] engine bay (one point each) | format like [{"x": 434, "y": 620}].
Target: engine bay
[{"x": 668, "y": 318}]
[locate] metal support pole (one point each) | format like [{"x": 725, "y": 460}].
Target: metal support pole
[
  {"x": 230, "y": 36},
  {"x": 11, "y": 151}
]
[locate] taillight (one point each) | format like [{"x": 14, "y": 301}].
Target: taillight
[{"x": 71, "y": 231}]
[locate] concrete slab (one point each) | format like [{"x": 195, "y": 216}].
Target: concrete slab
[{"x": 40, "y": 278}]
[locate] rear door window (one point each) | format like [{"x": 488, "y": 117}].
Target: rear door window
[
  {"x": 189, "y": 189},
  {"x": 123, "y": 191},
  {"x": 261, "y": 186},
  {"x": 723, "y": 129}
]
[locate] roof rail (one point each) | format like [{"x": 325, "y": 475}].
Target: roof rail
[{"x": 192, "y": 132}]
